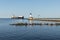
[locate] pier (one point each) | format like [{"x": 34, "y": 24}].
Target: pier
[{"x": 47, "y": 19}]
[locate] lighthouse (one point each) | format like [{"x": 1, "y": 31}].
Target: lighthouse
[
  {"x": 30, "y": 14},
  {"x": 30, "y": 17}
]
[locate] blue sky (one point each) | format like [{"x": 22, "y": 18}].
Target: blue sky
[{"x": 44, "y": 8}]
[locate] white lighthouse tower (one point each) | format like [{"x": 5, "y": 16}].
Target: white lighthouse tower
[
  {"x": 30, "y": 17},
  {"x": 30, "y": 14}
]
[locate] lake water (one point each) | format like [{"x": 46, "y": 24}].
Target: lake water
[{"x": 35, "y": 32}]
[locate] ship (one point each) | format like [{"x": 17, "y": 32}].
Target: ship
[{"x": 17, "y": 17}]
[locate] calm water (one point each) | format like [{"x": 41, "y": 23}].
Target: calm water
[{"x": 38, "y": 32}]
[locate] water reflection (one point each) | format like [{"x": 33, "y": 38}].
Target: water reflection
[
  {"x": 30, "y": 21},
  {"x": 36, "y": 32}
]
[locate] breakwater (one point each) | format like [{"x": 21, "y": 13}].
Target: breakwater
[
  {"x": 45, "y": 21},
  {"x": 35, "y": 24}
]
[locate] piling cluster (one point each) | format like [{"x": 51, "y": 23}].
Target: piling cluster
[{"x": 35, "y": 24}]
